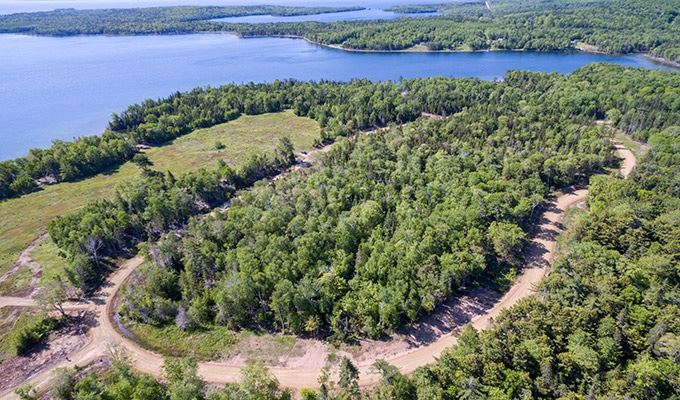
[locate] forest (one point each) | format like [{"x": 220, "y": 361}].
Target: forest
[
  {"x": 606, "y": 320},
  {"x": 388, "y": 226},
  {"x": 151, "y": 20},
  {"x": 614, "y": 27},
  {"x": 393, "y": 222}
]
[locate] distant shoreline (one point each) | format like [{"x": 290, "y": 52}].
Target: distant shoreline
[
  {"x": 658, "y": 60},
  {"x": 413, "y": 49}
]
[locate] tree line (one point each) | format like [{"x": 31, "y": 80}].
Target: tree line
[
  {"x": 618, "y": 27},
  {"x": 142, "y": 20}
]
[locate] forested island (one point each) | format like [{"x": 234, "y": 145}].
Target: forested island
[{"x": 614, "y": 27}]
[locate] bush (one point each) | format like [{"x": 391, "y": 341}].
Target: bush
[{"x": 31, "y": 335}]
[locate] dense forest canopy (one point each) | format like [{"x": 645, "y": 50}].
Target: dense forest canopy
[
  {"x": 355, "y": 245},
  {"x": 606, "y": 322},
  {"x": 620, "y": 26},
  {"x": 389, "y": 225}
]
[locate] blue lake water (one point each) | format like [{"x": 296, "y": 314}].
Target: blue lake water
[{"x": 61, "y": 88}]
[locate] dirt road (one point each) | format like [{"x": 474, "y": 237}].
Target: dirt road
[
  {"x": 100, "y": 335},
  {"x": 540, "y": 254},
  {"x": 25, "y": 259},
  {"x": 628, "y": 159}
]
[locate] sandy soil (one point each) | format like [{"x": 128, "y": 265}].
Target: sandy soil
[
  {"x": 419, "y": 346},
  {"x": 628, "y": 159}
]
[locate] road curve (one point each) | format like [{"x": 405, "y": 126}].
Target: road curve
[
  {"x": 540, "y": 253},
  {"x": 628, "y": 158}
]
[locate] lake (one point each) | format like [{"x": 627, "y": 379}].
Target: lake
[{"x": 61, "y": 88}]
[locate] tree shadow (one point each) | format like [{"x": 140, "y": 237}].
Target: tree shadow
[
  {"x": 449, "y": 317},
  {"x": 89, "y": 321},
  {"x": 535, "y": 256}
]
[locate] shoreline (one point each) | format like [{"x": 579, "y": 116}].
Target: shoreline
[
  {"x": 412, "y": 49},
  {"x": 660, "y": 60},
  {"x": 655, "y": 59}
]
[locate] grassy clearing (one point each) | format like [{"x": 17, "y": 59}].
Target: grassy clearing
[
  {"x": 210, "y": 344},
  {"x": 23, "y": 219},
  {"x": 47, "y": 255},
  {"x": 215, "y": 342},
  {"x": 638, "y": 149},
  {"x": 241, "y": 138},
  {"x": 18, "y": 281},
  {"x": 585, "y": 47},
  {"x": 419, "y": 48}
]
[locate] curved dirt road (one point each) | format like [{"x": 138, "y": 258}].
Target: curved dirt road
[
  {"x": 99, "y": 335},
  {"x": 540, "y": 253},
  {"x": 628, "y": 157}
]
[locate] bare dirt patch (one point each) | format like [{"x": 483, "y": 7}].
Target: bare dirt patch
[{"x": 60, "y": 345}]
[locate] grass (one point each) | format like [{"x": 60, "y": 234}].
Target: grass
[
  {"x": 7, "y": 320},
  {"x": 23, "y": 219},
  {"x": 209, "y": 344},
  {"x": 18, "y": 281},
  {"x": 242, "y": 138},
  {"x": 216, "y": 342},
  {"x": 570, "y": 215},
  {"x": 419, "y": 48},
  {"x": 11, "y": 320},
  {"x": 47, "y": 255},
  {"x": 566, "y": 238},
  {"x": 585, "y": 47}
]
